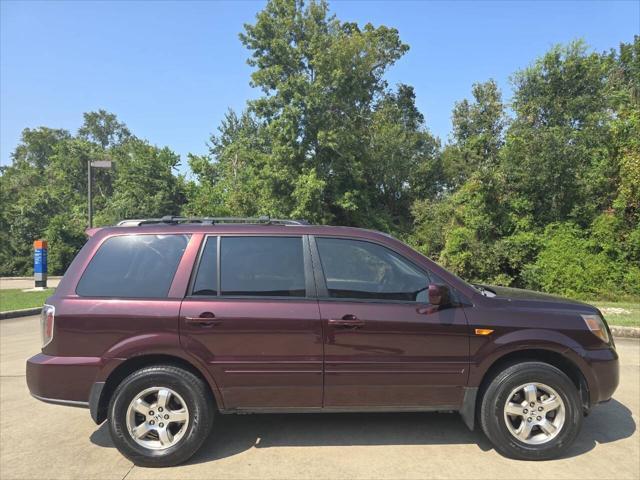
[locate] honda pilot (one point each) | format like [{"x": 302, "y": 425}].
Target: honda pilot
[{"x": 160, "y": 325}]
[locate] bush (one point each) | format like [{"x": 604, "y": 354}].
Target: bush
[{"x": 571, "y": 263}]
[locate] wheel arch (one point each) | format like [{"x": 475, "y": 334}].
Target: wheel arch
[
  {"x": 551, "y": 357},
  {"x": 101, "y": 392}
]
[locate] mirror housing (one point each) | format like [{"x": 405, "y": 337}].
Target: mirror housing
[{"x": 439, "y": 295}]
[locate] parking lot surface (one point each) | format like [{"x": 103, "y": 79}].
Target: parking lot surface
[
  {"x": 41, "y": 441},
  {"x": 26, "y": 282}
]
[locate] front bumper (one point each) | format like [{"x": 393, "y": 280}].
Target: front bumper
[
  {"x": 62, "y": 380},
  {"x": 603, "y": 374}
]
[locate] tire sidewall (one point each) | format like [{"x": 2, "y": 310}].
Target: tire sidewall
[
  {"x": 199, "y": 416},
  {"x": 497, "y": 395}
]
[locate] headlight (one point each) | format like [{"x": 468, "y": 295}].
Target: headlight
[{"x": 595, "y": 323}]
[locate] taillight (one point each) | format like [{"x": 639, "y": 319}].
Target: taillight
[{"x": 46, "y": 324}]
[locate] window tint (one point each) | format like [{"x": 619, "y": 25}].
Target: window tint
[
  {"x": 357, "y": 269},
  {"x": 264, "y": 266},
  {"x": 206, "y": 282},
  {"x": 133, "y": 266}
]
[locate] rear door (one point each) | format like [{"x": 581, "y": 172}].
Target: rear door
[
  {"x": 251, "y": 314},
  {"x": 385, "y": 346}
]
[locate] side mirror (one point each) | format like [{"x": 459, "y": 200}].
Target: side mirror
[{"x": 439, "y": 295}]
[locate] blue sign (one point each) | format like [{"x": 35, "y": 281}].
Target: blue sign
[
  {"x": 40, "y": 263},
  {"x": 40, "y": 260}
]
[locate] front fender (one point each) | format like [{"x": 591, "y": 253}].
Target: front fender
[{"x": 495, "y": 348}]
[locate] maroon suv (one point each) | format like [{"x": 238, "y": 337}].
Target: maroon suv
[{"x": 159, "y": 325}]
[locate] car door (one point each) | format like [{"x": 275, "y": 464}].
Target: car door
[
  {"x": 385, "y": 345},
  {"x": 251, "y": 314}
]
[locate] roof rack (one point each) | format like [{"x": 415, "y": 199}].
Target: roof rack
[{"x": 170, "y": 220}]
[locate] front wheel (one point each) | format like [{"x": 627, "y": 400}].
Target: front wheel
[
  {"x": 531, "y": 411},
  {"x": 160, "y": 416}
]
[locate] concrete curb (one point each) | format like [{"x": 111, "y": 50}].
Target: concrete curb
[
  {"x": 625, "y": 332},
  {"x": 20, "y": 313}
]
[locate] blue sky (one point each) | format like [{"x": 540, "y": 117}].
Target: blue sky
[{"x": 170, "y": 70}]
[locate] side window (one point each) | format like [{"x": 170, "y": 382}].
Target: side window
[
  {"x": 206, "y": 282},
  {"x": 359, "y": 269},
  {"x": 262, "y": 266},
  {"x": 133, "y": 266}
]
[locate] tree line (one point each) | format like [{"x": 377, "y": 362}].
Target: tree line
[{"x": 542, "y": 191}]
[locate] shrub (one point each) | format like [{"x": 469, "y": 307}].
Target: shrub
[{"x": 573, "y": 264}]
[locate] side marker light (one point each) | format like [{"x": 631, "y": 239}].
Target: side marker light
[{"x": 483, "y": 331}]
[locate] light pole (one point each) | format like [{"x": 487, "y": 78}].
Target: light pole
[{"x": 95, "y": 164}]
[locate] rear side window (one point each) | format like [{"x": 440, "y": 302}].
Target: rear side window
[
  {"x": 262, "y": 266},
  {"x": 133, "y": 266}
]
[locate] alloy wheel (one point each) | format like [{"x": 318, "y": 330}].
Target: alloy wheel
[
  {"x": 157, "y": 418},
  {"x": 534, "y": 413}
]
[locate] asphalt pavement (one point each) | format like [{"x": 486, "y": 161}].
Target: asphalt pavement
[{"x": 41, "y": 441}]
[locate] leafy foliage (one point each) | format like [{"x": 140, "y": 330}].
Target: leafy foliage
[
  {"x": 43, "y": 193},
  {"x": 327, "y": 140},
  {"x": 573, "y": 264},
  {"x": 547, "y": 198}
]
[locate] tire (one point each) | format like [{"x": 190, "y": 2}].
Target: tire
[
  {"x": 187, "y": 403},
  {"x": 508, "y": 433}
]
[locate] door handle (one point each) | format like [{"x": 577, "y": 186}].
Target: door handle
[
  {"x": 348, "y": 321},
  {"x": 206, "y": 319}
]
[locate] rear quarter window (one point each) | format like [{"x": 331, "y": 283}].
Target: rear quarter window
[{"x": 133, "y": 266}]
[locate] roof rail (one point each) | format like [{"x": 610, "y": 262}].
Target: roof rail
[{"x": 170, "y": 220}]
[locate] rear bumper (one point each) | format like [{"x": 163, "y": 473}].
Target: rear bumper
[{"x": 62, "y": 380}]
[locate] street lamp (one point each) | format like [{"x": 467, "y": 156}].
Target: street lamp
[{"x": 94, "y": 164}]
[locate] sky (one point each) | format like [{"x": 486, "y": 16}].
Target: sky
[{"x": 170, "y": 70}]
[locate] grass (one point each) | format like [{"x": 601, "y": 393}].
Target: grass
[
  {"x": 625, "y": 314},
  {"x": 16, "y": 299}
]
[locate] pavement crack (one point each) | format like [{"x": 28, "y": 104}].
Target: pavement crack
[
  {"x": 12, "y": 376},
  {"x": 128, "y": 472}
]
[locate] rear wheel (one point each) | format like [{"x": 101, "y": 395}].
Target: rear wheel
[
  {"x": 531, "y": 411},
  {"x": 160, "y": 416}
]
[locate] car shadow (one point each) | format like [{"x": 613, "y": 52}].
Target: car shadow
[
  {"x": 609, "y": 422},
  {"x": 234, "y": 434}
]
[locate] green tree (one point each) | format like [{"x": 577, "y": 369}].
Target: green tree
[
  {"x": 103, "y": 128},
  {"x": 43, "y": 191},
  {"x": 566, "y": 170},
  {"x": 231, "y": 180},
  {"x": 477, "y": 135},
  {"x": 26, "y": 199},
  {"x": 470, "y": 214},
  {"x": 558, "y": 150},
  {"x": 144, "y": 185},
  {"x": 322, "y": 138}
]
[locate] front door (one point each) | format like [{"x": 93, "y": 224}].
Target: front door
[
  {"x": 385, "y": 346},
  {"x": 251, "y": 315}
]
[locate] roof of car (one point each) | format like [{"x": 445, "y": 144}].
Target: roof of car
[
  {"x": 230, "y": 225},
  {"x": 241, "y": 229}
]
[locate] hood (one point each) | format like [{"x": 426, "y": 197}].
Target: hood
[{"x": 535, "y": 298}]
